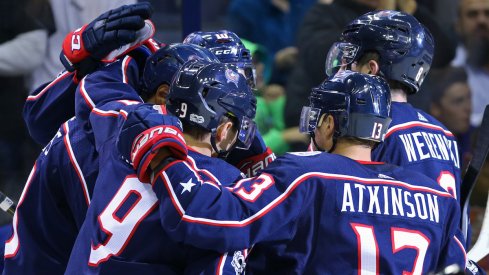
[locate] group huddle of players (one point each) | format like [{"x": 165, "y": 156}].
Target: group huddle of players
[{"x": 143, "y": 140}]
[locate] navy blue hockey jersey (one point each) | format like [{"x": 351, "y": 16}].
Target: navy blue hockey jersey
[
  {"x": 122, "y": 232},
  {"x": 53, "y": 205},
  {"x": 49, "y": 106},
  {"x": 53, "y": 103},
  {"x": 323, "y": 213},
  {"x": 417, "y": 141}
]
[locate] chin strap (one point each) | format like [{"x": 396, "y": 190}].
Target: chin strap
[
  {"x": 222, "y": 154},
  {"x": 334, "y": 145},
  {"x": 313, "y": 137}
]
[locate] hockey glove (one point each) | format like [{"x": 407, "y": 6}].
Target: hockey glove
[
  {"x": 84, "y": 47},
  {"x": 251, "y": 161},
  {"x": 146, "y": 129}
]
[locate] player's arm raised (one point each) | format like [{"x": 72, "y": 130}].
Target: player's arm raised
[
  {"x": 101, "y": 96},
  {"x": 49, "y": 106},
  {"x": 52, "y": 103}
]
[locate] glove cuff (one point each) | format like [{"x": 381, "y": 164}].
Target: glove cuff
[
  {"x": 73, "y": 49},
  {"x": 147, "y": 144},
  {"x": 142, "y": 36},
  {"x": 252, "y": 165}
]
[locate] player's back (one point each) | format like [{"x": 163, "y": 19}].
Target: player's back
[
  {"x": 122, "y": 233},
  {"x": 53, "y": 204},
  {"x": 415, "y": 140},
  {"x": 357, "y": 218}
]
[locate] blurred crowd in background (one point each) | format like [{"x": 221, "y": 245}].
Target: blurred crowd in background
[{"x": 289, "y": 40}]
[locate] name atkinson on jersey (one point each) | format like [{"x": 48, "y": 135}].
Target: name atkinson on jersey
[
  {"x": 422, "y": 145},
  {"x": 389, "y": 200}
]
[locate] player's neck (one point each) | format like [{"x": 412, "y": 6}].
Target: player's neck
[
  {"x": 398, "y": 95},
  {"x": 202, "y": 147},
  {"x": 353, "y": 151}
]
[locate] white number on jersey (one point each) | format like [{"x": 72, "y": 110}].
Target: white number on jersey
[
  {"x": 368, "y": 248},
  {"x": 447, "y": 181},
  {"x": 119, "y": 229}
]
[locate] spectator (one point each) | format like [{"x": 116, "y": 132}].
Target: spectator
[
  {"x": 322, "y": 27},
  {"x": 273, "y": 24},
  {"x": 270, "y": 104},
  {"x": 68, "y": 15},
  {"x": 473, "y": 28},
  {"x": 451, "y": 105},
  {"x": 24, "y": 28}
]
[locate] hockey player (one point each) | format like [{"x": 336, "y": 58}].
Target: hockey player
[
  {"x": 228, "y": 48},
  {"x": 396, "y": 46},
  {"x": 314, "y": 212},
  {"x": 216, "y": 106},
  {"x": 51, "y": 106},
  {"x": 56, "y": 196}
]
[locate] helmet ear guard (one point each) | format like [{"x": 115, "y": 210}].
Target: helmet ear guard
[
  {"x": 404, "y": 45},
  {"x": 202, "y": 93},
  {"x": 359, "y": 104},
  {"x": 162, "y": 66}
]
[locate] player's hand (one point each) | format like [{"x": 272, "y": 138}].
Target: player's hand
[
  {"x": 106, "y": 33},
  {"x": 251, "y": 161},
  {"x": 145, "y": 150},
  {"x": 147, "y": 129}
]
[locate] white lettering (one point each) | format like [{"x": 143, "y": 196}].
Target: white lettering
[
  {"x": 408, "y": 146},
  {"x": 442, "y": 145},
  {"x": 396, "y": 202},
  {"x": 374, "y": 200},
  {"x": 419, "y": 146},
  {"x": 360, "y": 196},
  {"x": 347, "y": 199},
  {"x": 428, "y": 144},
  {"x": 386, "y": 200},
  {"x": 421, "y": 206},
  {"x": 435, "y": 148},
  {"x": 433, "y": 208},
  {"x": 411, "y": 214}
]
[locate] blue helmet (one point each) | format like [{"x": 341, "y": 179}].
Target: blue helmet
[
  {"x": 359, "y": 103},
  {"x": 228, "y": 48},
  {"x": 164, "y": 63},
  {"x": 404, "y": 45},
  {"x": 203, "y": 92}
]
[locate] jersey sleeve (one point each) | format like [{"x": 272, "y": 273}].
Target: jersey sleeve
[
  {"x": 453, "y": 252},
  {"x": 196, "y": 209},
  {"x": 59, "y": 189},
  {"x": 49, "y": 106},
  {"x": 101, "y": 96}
]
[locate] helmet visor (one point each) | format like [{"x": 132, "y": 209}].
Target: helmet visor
[
  {"x": 249, "y": 73},
  {"x": 246, "y": 133},
  {"x": 309, "y": 119},
  {"x": 340, "y": 56}
]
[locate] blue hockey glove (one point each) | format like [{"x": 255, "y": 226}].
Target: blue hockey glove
[
  {"x": 108, "y": 32},
  {"x": 251, "y": 161},
  {"x": 146, "y": 129}
]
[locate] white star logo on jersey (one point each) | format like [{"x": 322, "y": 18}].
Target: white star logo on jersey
[
  {"x": 187, "y": 186},
  {"x": 421, "y": 117},
  {"x": 382, "y": 176}
]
